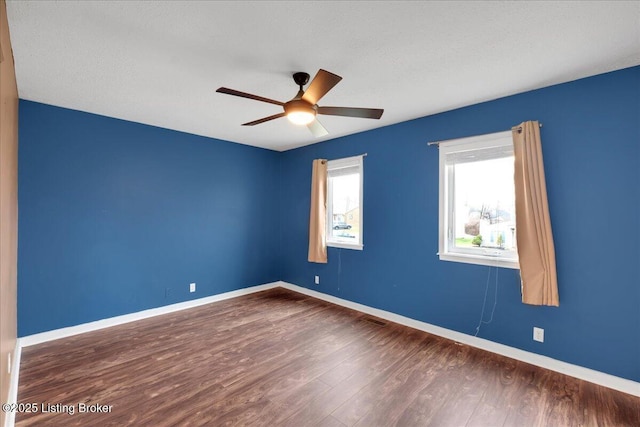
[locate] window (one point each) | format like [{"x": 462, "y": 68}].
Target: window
[
  {"x": 477, "y": 201},
  {"x": 344, "y": 203}
]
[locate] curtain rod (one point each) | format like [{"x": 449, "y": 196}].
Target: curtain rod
[
  {"x": 519, "y": 128},
  {"x": 361, "y": 155}
]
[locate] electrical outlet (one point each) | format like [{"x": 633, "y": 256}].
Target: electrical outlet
[
  {"x": 317, "y": 280},
  {"x": 538, "y": 334},
  {"x": 192, "y": 287}
]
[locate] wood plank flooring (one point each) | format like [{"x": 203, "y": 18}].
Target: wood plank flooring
[{"x": 279, "y": 358}]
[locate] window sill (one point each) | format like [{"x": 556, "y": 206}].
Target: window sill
[
  {"x": 480, "y": 260},
  {"x": 341, "y": 245}
]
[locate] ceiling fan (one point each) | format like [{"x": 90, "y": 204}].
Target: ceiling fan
[{"x": 303, "y": 108}]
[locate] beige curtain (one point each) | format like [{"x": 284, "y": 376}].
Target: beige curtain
[
  {"x": 533, "y": 226},
  {"x": 318, "y": 212}
]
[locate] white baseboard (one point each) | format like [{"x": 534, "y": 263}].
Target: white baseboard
[
  {"x": 607, "y": 380},
  {"x": 132, "y": 317}
]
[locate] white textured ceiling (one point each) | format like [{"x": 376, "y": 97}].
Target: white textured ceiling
[{"x": 160, "y": 62}]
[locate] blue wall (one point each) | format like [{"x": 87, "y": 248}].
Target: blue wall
[
  {"x": 117, "y": 217},
  {"x": 591, "y": 141},
  {"x": 113, "y": 213}
]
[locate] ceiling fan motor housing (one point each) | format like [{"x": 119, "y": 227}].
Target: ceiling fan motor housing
[{"x": 300, "y": 106}]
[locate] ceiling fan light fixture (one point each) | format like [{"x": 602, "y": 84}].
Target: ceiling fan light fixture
[
  {"x": 299, "y": 112},
  {"x": 301, "y": 117}
]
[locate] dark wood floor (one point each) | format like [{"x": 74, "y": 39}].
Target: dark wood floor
[{"x": 278, "y": 358}]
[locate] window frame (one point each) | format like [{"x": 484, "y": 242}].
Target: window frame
[
  {"x": 355, "y": 161},
  {"x": 490, "y": 257}
]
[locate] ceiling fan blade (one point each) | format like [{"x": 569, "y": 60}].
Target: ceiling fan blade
[
  {"x": 364, "y": 113},
  {"x": 317, "y": 129},
  {"x": 247, "y": 95},
  {"x": 322, "y": 83},
  {"x": 264, "y": 119}
]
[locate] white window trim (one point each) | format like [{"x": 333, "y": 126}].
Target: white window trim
[
  {"x": 490, "y": 257},
  {"x": 336, "y": 164}
]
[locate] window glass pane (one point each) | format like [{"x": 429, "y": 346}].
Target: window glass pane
[
  {"x": 483, "y": 210},
  {"x": 344, "y": 220}
]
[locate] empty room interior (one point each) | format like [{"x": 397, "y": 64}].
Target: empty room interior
[{"x": 320, "y": 213}]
